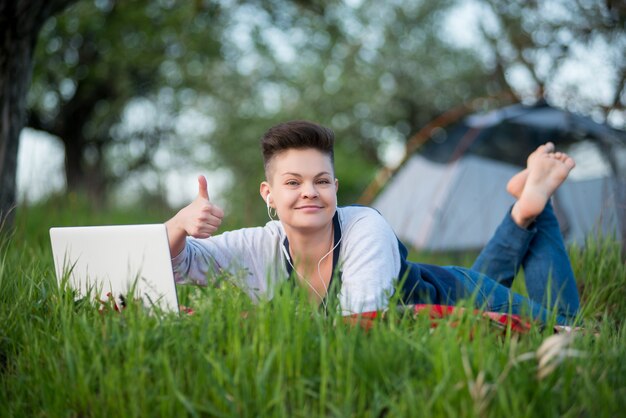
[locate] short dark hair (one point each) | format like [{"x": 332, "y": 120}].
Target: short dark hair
[{"x": 297, "y": 134}]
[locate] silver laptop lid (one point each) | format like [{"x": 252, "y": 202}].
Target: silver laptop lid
[{"x": 116, "y": 259}]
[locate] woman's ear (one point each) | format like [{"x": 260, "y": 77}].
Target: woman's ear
[
  {"x": 336, "y": 185},
  {"x": 265, "y": 191}
]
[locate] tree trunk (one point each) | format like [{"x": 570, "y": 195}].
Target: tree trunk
[
  {"x": 20, "y": 22},
  {"x": 85, "y": 178},
  {"x": 74, "y": 167}
]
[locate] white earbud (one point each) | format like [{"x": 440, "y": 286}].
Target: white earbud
[{"x": 269, "y": 209}]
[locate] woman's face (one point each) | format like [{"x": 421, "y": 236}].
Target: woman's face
[{"x": 303, "y": 188}]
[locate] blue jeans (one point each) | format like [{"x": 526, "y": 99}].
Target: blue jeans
[{"x": 541, "y": 252}]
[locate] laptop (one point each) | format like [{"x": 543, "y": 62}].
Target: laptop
[{"x": 116, "y": 263}]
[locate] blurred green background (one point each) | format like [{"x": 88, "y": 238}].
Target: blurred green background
[{"x": 131, "y": 100}]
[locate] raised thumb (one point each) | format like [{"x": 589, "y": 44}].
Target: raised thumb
[{"x": 202, "y": 188}]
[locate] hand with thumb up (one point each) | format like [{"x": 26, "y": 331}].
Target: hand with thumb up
[{"x": 200, "y": 219}]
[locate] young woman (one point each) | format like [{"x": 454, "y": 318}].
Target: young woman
[{"x": 315, "y": 242}]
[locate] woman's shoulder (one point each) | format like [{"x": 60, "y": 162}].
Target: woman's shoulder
[
  {"x": 354, "y": 213},
  {"x": 361, "y": 220}
]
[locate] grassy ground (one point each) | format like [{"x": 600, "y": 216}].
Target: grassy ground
[{"x": 282, "y": 358}]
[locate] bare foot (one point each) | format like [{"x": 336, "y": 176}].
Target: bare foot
[
  {"x": 546, "y": 172},
  {"x": 515, "y": 186}
]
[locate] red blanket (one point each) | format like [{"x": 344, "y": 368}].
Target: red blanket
[{"x": 437, "y": 312}]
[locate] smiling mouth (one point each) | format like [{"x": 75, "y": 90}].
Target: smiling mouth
[{"x": 309, "y": 207}]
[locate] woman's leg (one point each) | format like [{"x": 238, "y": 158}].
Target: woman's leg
[
  {"x": 502, "y": 257},
  {"x": 492, "y": 296},
  {"x": 541, "y": 251},
  {"x": 547, "y": 267}
]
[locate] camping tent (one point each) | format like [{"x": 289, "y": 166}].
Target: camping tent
[
  {"x": 457, "y": 206},
  {"x": 452, "y": 197}
]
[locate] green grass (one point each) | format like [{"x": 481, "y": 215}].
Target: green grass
[{"x": 59, "y": 358}]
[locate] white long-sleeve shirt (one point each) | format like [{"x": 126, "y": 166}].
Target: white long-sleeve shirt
[{"x": 369, "y": 259}]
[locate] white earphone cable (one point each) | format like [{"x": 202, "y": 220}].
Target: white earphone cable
[
  {"x": 319, "y": 273},
  {"x": 301, "y": 277},
  {"x": 319, "y": 263},
  {"x": 269, "y": 208}
]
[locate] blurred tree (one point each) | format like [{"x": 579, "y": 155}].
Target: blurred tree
[
  {"x": 375, "y": 73},
  {"x": 539, "y": 41},
  {"x": 20, "y": 23},
  {"x": 117, "y": 80},
  {"x": 112, "y": 79}
]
